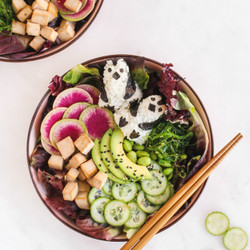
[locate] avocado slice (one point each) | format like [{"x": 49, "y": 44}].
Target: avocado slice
[
  {"x": 107, "y": 157},
  {"x": 131, "y": 169},
  {"x": 96, "y": 155}
]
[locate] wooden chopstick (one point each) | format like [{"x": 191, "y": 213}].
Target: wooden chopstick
[{"x": 176, "y": 201}]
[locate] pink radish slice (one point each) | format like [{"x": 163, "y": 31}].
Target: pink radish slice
[
  {"x": 65, "y": 128},
  {"x": 50, "y": 149},
  {"x": 93, "y": 91},
  {"x": 63, "y": 10},
  {"x": 72, "y": 96},
  {"x": 97, "y": 120},
  {"x": 49, "y": 120},
  {"x": 74, "y": 111}
]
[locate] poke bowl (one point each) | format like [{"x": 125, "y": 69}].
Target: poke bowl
[
  {"x": 112, "y": 140},
  {"x": 35, "y": 29}
]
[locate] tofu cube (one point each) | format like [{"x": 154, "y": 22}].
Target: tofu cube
[
  {"x": 73, "y": 5},
  {"x": 17, "y": 5},
  {"x": 33, "y": 29},
  {"x": 83, "y": 186},
  {"x": 68, "y": 166},
  {"x": 39, "y": 5},
  {"x": 49, "y": 33},
  {"x": 89, "y": 168},
  {"x": 24, "y": 13},
  {"x": 37, "y": 43},
  {"x": 70, "y": 191},
  {"x": 53, "y": 11},
  {"x": 77, "y": 160},
  {"x": 72, "y": 174},
  {"x": 81, "y": 200},
  {"x": 66, "y": 147},
  {"x": 56, "y": 162},
  {"x": 98, "y": 180},
  {"x": 84, "y": 144},
  {"x": 81, "y": 175},
  {"x": 18, "y": 27},
  {"x": 40, "y": 16},
  {"x": 65, "y": 22},
  {"x": 66, "y": 33},
  {"x": 25, "y": 40}
]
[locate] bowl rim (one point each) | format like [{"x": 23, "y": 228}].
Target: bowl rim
[
  {"x": 197, "y": 193},
  {"x": 63, "y": 45}
]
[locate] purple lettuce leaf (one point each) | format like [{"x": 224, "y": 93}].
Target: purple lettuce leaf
[
  {"x": 10, "y": 44},
  {"x": 57, "y": 85},
  {"x": 39, "y": 157}
]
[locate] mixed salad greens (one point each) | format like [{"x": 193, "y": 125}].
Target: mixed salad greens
[{"x": 138, "y": 175}]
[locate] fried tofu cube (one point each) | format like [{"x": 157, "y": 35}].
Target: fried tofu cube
[
  {"x": 77, "y": 160},
  {"x": 66, "y": 147},
  {"x": 66, "y": 33},
  {"x": 18, "y": 27},
  {"x": 24, "y": 13},
  {"x": 81, "y": 175},
  {"x": 40, "y": 16},
  {"x": 37, "y": 43},
  {"x": 53, "y": 11},
  {"x": 84, "y": 144},
  {"x": 73, "y": 5},
  {"x": 33, "y": 29},
  {"x": 70, "y": 191},
  {"x": 83, "y": 186},
  {"x": 39, "y": 5},
  {"x": 98, "y": 180},
  {"x": 17, "y": 5},
  {"x": 68, "y": 166},
  {"x": 72, "y": 174},
  {"x": 89, "y": 168},
  {"x": 66, "y": 22},
  {"x": 56, "y": 162},
  {"x": 81, "y": 200},
  {"x": 49, "y": 33},
  {"x": 25, "y": 40}
]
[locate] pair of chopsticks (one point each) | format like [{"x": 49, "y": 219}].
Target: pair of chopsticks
[{"x": 148, "y": 230}]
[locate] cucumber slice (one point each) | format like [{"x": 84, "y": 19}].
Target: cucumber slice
[
  {"x": 217, "y": 223},
  {"x": 154, "y": 166},
  {"x": 130, "y": 232},
  {"x": 137, "y": 216},
  {"x": 156, "y": 185},
  {"x": 138, "y": 186},
  {"x": 235, "y": 239},
  {"x": 124, "y": 192},
  {"x": 97, "y": 208},
  {"x": 159, "y": 199},
  {"x": 107, "y": 187},
  {"x": 172, "y": 191},
  {"x": 145, "y": 205},
  {"x": 96, "y": 193},
  {"x": 116, "y": 213}
]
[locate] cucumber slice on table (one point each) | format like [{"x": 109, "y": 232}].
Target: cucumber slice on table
[
  {"x": 217, "y": 223},
  {"x": 96, "y": 193},
  {"x": 124, "y": 192},
  {"x": 97, "y": 208},
  {"x": 160, "y": 199},
  {"x": 116, "y": 213},
  {"x": 145, "y": 205},
  {"x": 235, "y": 239},
  {"x": 156, "y": 185},
  {"x": 137, "y": 216},
  {"x": 107, "y": 187}
]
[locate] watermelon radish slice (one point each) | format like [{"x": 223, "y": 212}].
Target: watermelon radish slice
[
  {"x": 50, "y": 149},
  {"x": 49, "y": 120},
  {"x": 63, "y": 10},
  {"x": 65, "y": 128},
  {"x": 74, "y": 111},
  {"x": 97, "y": 120},
  {"x": 81, "y": 14},
  {"x": 93, "y": 91},
  {"x": 70, "y": 96}
]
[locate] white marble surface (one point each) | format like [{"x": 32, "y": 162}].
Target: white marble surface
[{"x": 209, "y": 43}]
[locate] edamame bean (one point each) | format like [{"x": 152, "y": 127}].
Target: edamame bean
[
  {"x": 170, "y": 177},
  {"x": 184, "y": 156},
  {"x": 140, "y": 153},
  {"x": 144, "y": 161},
  {"x": 138, "y": 147},
  {"x": 131, "y": 142},
  {"x": 168, "y": 171},
  {"x": 127, "y": 145},
  {"x": 153, "y": 156},
  {"x": 164, "y": 163},
  {"x": 132, "y": 156}
]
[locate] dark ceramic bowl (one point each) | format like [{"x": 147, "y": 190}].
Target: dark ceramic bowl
[
  {"x": 34, "y": 132},
  {"x": 56, "y": 48}
]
